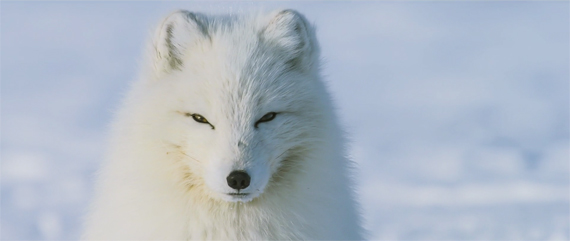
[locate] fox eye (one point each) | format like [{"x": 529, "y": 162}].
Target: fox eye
[
  {"x": 199, "y": 119},
  {"x": 267, "y": 117}
]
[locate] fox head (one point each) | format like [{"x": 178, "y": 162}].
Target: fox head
[{"x": 237, "y": 100}]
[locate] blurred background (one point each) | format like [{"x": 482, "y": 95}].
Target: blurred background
[{"x": 458, "y": 112}]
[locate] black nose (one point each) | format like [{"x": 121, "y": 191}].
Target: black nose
[{"x": 238, "y": 180}]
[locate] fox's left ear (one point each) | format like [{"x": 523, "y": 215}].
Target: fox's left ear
[
  {"x": 177, "y": 32},
  {"x": 290, "y": 31}
]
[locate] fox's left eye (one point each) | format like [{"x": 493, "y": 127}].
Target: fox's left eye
[{"x": 267, "y": 117}]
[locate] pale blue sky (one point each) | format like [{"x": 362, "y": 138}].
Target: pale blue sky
[{"x": 458, "y": 112}]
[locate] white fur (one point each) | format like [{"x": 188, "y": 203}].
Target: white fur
[{"x": 165, "y": 174}]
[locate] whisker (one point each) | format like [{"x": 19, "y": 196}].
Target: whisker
[
  {"x": 179, "y": 150},
  {"x": 283, "y": 153},
  {"x": 183, "y": 153}
]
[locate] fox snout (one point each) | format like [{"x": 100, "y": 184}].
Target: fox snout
[{"x": 238, "y": 180}]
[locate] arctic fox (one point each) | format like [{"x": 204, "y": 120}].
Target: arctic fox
[{"x": 228, "y": 134}]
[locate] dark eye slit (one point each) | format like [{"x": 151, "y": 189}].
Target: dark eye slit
[
  {"x": 199, "y": 118},
  {"x": 267, "y": 117}
]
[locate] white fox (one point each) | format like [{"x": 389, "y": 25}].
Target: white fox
[{"x": 228, "y": 134}]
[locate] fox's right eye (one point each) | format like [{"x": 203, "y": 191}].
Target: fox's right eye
[{"x": 199, "y": 119}]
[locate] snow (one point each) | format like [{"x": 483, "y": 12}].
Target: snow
[{"x": 458, "y": 112}]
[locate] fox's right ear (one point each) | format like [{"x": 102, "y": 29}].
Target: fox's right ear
[{"x": 172, "y": 38}]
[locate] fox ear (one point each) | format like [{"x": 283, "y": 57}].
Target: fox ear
[
  {"x": 290, "y": 31},
  {"x": 176, "y": 33}
]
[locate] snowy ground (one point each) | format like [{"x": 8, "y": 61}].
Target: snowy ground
[{"x": 458, "y": 112}]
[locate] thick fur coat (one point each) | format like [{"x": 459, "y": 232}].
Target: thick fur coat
[{"x": 220, "y": 94}]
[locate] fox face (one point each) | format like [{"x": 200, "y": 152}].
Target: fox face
[{"x": 236, "y": 99}]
